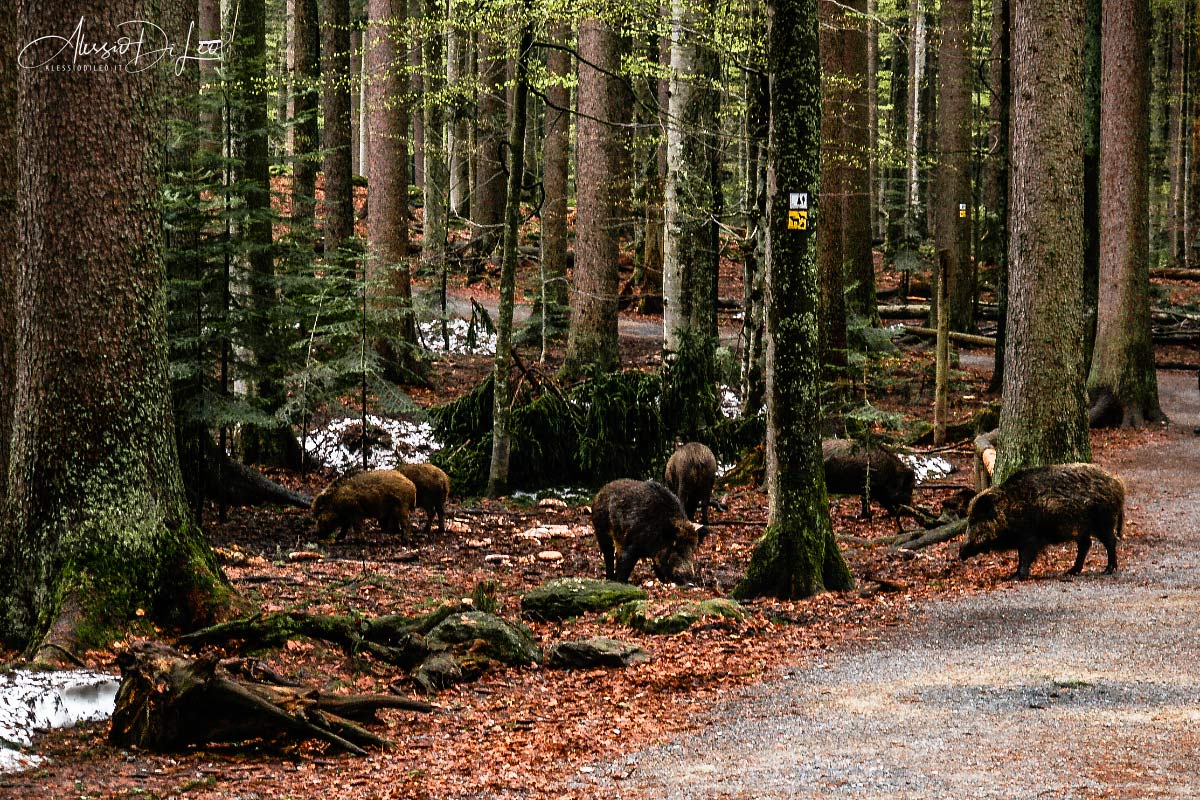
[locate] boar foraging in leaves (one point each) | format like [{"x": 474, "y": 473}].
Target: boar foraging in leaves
[
  {"x": 691, "y": 473},
  {"x": 1040, "y": 506},
  {"x": 644, "y": 519},
  {"x": 870, "y": 471},
  {"x": 382, "y": 494}
]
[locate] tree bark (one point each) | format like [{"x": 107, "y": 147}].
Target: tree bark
[
  {"x": 335, "y": 68},
  {"x": 897, "y": 171},
  {"x": 999, "y": 173},
  {"x": 307, "y": 137},
  {"x": 1091, "y": 174},
  {"x": 387, "y": 212},
  {"x": 600, "y": 187},
  {"x": 459, "y": 138},
  {"x": 858, "y": 135},
  {"x": 1044, "y": 415},
  {"x": 1122, "y": 379},
  {"x": 658, "y": 97},
  {"x": 831, "y": 260},
  {"x": 437, "y": 179},
  {"x": 754, "y": 323},
  {"x": 952, "y": 224},
  {"x": 918, "y": 34},
  {"x": 416, "y": 87},
  {"x": 798, "y": 555},
  {"x": 502, "y": 367},
  {"x": 96, "y": 530},
  {"x": 8, "y": 239},
  {"x": 692, "y": 210},
  {"x": 556, "y": 158},
  {"x": 487, "y": 201},
  {"x": 356, "y": 100}
]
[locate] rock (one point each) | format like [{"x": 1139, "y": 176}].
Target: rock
[
  {"x": 437, "y": 672},
  {"x": 573, "y": 597},
  {"x": 634, "y": 615},
  {"x": 552, "y": 502},
  {"x": 497, "y": 558},
  {"x": 486, "y": 635},
  {"x": 304, "y": 555},
  {"x": 478, "y": 544},
  {"x": 550, "y": 555},
  {"x": 597, "y": 652}
]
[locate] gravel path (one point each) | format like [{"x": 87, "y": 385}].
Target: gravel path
[{"x": 1050, "y": 688}]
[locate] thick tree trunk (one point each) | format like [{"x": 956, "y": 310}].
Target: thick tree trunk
[
  {"x": 357, "y": 107},
  {"x": 502, "y": 395},
  {"x": 306, "y": 138},
  {"x": 658, "y": 97},
  {"x": 387, "y": 212},
  {"x": 798, "y": 555},
  {"x": 600, "y": 187},
  {"x": 8, "y": 238},
  {"x": 335, "y": 68},
  {"x": 1044, "y": 415},
  {"x": 897, "y": 171},
  {"x": 556, "y": 160},
  {"x": 952, "y": 224},
  {"x": 999, "y": 173},
  {"x": 692, "y": 209},
  {"x": 96, "y": 530},
  {"x": 1091, "y": 174},
  {"x": 1122, "y": 379},
  {"x": 754, "y": 321},
  {"x": 459, "y": 138},
  {"x": 417, "y": 89},
  {"x": 858, "y": 136}
]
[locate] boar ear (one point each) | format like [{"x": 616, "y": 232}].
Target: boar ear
[{"x": 983, "y": 506}]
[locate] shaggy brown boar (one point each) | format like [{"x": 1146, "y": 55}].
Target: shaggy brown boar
[
  {"x": 433, "y": 487},
  {"x": 691, "y": 472},
  {"x": 1048, "y": 505},
  {"x": 382, "y": 494},
  {"x": 644, "y": 519},
  {"x": 871, "y": 471}
]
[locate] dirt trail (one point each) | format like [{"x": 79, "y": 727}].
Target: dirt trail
[{"x": 1051, "y": 688}]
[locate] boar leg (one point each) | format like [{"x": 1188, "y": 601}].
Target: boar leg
[
  {"x": 1085, "y": 543},
  {"x": 441, "y": 514},
  {"x": 606, "y": 550},
  {"x": 428, "y": 522},
  {"x": 1026, "y": 553},
  {"x": 625, "y": 564},
  {"x": 405, "y": 527},
  {"x": 1110, "y": 544},
  {"x": 866, "y": 507}
]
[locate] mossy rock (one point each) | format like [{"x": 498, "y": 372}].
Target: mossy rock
[
  {"x": 634, "y": 616},
  {"x": 596, "y": 652},
  {"x": 573, "y": 597},
  {"x": 439, "y": 671},
  {"x": 485, "y": 635}
]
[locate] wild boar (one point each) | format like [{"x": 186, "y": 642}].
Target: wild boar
[
  {"x": 644, "y": 519},
  {"x": 433, "y": 487},
  {"x": 382, "y": 494},
  {"x": 871, "y": 471},
  {"x": 690, "y": 474}
]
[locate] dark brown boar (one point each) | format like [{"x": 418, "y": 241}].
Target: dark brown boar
[
  {"x": 433, "y": 487},
  {"x": 1040, "y": 506},
  {"x": 382, "y": 494},
  {"x": 691, "y": 473},
  {"x": 869, "y": 470},
  {"x": 644, "y": 519}
]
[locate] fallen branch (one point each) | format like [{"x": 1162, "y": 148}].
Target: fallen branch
[
  {"x": 167, "y": 701},
  {"x": 955, "y": 336},
  {"x": 1175, "y": 273},
  {"x": 942, "y": 534}
]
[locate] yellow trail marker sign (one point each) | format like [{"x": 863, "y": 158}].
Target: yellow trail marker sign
[{"x": 797, "y": 220}]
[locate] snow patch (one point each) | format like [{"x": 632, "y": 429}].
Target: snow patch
[
  {"x": 31, "y": 701},
  {"x": 928, "y": 468},
  {"x": 459, "y": 331},
  {"x": 406, "y": 442}
]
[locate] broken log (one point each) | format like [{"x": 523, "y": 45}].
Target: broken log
[
  {"x": 168, "y": 702},
  {"x": 1175, "y": 273}
]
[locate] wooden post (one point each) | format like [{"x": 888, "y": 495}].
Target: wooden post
[{"x": 942, "y": 376}]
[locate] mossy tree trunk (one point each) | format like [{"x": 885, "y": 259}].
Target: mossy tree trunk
[
  {"x": 1122, "y": 384},
  {"x": 600, "y": 186},
  {"x": 693, "y": 201},
  {"x": 1044, "y": 415},
  {"x": 96, "y": 531},
  {"x": 8, "y": 237},
  {"x": 952, "y": 225},
  {"x": 798, "y": 555},
  {"x": 335, "y": 141},
  {"x": 502, "y": 394}
]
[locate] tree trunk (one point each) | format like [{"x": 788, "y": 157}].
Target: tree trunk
[
  {"x": 502, "y": 395},
  {"x": 599, "y": 189},
  {"x": 357, "y": 107},
  {"x": 209, "y": 24},
  {"x": 335, "y": 68},
  {"x": 387, "y": 212},
  {"x": 999, "y": 172},
  {"x": 8, "y": 238},
  {"x": 650, "y": 286},
  {"x": 1091, "y": 174},
  {"x": 831, "y": 232},
  {"x": 487, "y": 202},
  {"x": 692, "y": 210},
  {"x": 307, "y": 137},
  {"x": 952, "y": 224},
  {"x": 1044, "y": 415},
  {"x": 417, "y": 96},
  {"x": 96, "y": 530},
  {"x": 753, "y": 381},
  {"x": 459, "y": 139},
  {"x": 857, "y": 133},
  {"x": 1122, "y": 379},
  {"x": 916, "y": 75},
  {"x": 555, "y": 168},
  {"x": 437, "y": 180},
  {"x": 798, "y": 555},
  {"x": 897, "y": 171}
]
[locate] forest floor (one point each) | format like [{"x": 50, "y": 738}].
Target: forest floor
[{"x": 538, "y": 733}]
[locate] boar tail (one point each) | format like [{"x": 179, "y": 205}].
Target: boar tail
[{"x": 1120, "y": 532}]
